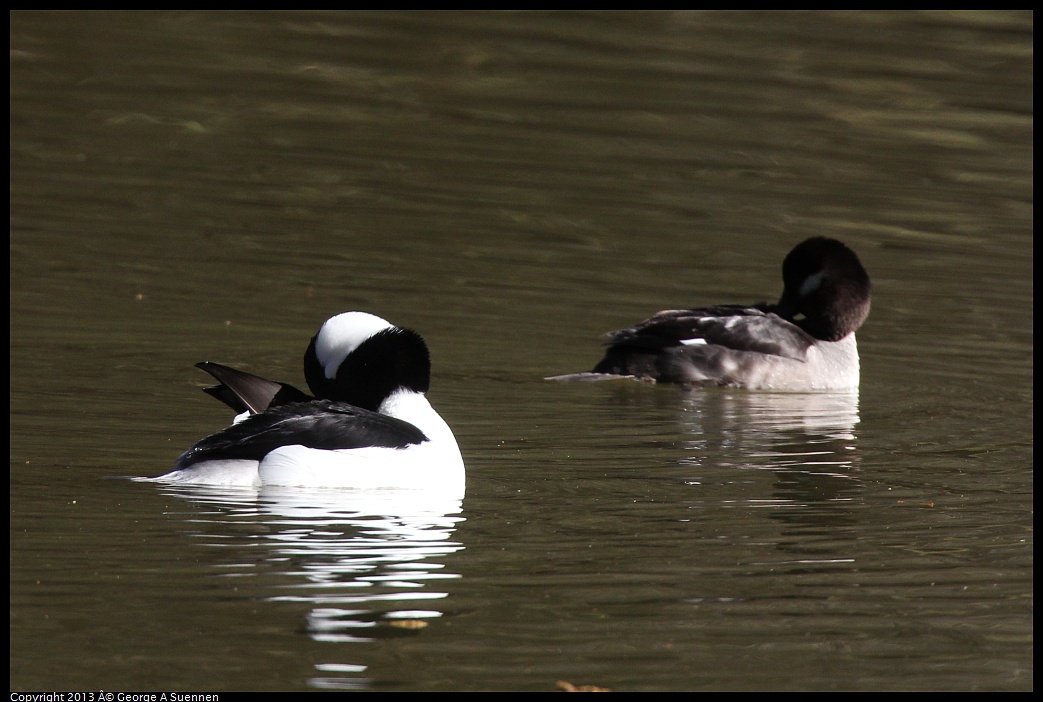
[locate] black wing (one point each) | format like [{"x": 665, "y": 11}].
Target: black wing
[
  {"x": 737, "y": 327},
  {"x": 245, "y": 392},
  {"x": 320, "y": 424}
]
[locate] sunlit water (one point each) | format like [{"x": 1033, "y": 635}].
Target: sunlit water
[{"x": 212, "y": 186}]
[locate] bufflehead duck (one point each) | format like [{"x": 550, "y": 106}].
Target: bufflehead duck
[
  {"x": 369, "y": 424},
  {"x": 804, "y": 343}
]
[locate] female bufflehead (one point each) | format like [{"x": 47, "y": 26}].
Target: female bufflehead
[
  {"x": 804, "y": 343},
  {"x": 369, "y": 424}
]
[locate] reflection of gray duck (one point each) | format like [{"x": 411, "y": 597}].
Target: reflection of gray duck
[
  {"x": 805, "y": 342},
  {"x": 369, "y": 426}
]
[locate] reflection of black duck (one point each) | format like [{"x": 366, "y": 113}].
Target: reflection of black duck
[{"x": 805, "y": 442}]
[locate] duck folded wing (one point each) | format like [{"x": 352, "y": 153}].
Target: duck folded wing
[
  {"x": 754, "y": 329},
  {"x": 319, "y": 424}
]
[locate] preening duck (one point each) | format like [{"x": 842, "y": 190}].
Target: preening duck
[
  {"x": 367, "y": 424},
  {"x": 805, "y": 342}
]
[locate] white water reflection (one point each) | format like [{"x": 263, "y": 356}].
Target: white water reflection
[
  {"x": 371, "y": 564},
  {"x": 805, "y": 442},
  {"x": 764, "y": 426}
]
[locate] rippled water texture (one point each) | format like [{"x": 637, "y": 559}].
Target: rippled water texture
[{"x": 191, "y": 186}]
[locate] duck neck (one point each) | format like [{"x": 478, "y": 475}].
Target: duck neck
[{"x": 413, "y": 407}]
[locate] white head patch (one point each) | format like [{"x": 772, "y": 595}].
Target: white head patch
[
  {"x": 343, "y": 334},
  {"x": 811, "y": 283}
]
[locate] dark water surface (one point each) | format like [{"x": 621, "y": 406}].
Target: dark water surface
[{"x": 202, "y": 185}]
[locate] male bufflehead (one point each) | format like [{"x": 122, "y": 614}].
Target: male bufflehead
[
  {"x": 804, "y": 343},
  {"x": 369, "y": 424}
]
